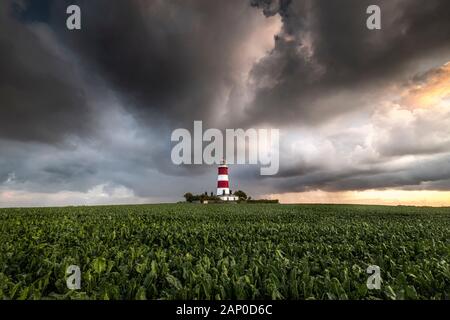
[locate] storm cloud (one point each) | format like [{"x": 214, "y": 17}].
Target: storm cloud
[
  {"x": 324, "y": 52},
  {"x": 41, "y": 99}
]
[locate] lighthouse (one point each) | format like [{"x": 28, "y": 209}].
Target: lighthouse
[{"x": 223, "y": 183}]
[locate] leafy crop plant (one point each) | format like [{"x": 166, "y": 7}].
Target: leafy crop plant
[{"x": 259, "y": 251}]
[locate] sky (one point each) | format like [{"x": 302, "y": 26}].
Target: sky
[{"x": 86, "y": 115}]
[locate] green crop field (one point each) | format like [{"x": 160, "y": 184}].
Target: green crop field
[{"x": 188, "y": 251}]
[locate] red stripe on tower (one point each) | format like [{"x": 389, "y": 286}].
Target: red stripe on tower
[
  {"x": 222, "y": 184},
  {"x": 223, "y": 170}
]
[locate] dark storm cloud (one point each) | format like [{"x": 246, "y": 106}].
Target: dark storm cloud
[
  {"x": 40, "y": 98},
  {"x": 325, "y": 48},
  {"x": 171, "y": 60}
]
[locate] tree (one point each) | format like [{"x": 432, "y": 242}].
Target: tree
[
  {"x": 241, "y": 194},
  {"x": 189, "y": 197}
]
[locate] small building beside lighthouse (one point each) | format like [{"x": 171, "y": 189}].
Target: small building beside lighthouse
[{"x": 223, "y": 184}]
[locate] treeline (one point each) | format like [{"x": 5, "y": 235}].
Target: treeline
[
  {"x": 200, "y": 197},
  {"x": 212, "y": 198}
]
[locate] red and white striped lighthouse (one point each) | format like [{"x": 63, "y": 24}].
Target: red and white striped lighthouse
[
  {"x": 223, "y": 184},
  {"x": 223, "y": 187}
]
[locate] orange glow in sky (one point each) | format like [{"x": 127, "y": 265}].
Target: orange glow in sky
[
  {"x": 379, "y": 197},
  {"x": 432, "y": 93}
]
